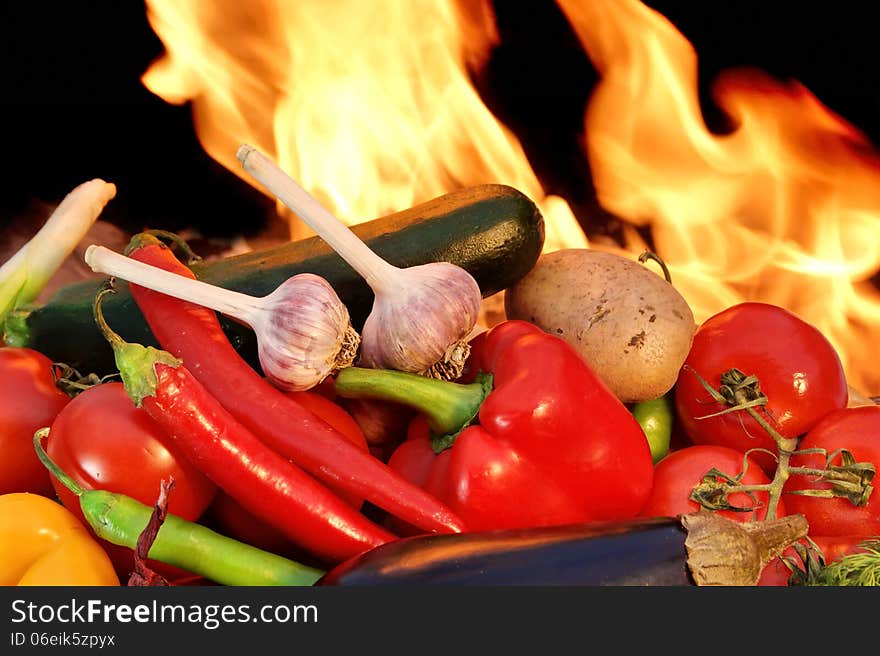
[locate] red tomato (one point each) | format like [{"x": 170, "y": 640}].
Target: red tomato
[
  {"x": 229, "y": 518},
  {"x": 104, "y": 442},
  {"x": 678, "y": 473},
  {"x": 833, "y": 548},
  {"x": 858, "y": 431},
  {"x": 799, "y": 371},
  {"x": 29, "y": 400}
]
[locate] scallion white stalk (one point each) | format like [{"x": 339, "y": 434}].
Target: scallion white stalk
[{"x": 24, "y": 275}]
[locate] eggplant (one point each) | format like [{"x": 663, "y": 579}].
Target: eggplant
[{"x": 698, "y": 549}]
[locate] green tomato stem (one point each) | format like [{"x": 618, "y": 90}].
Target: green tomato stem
[{"x": 740, "y": 392}]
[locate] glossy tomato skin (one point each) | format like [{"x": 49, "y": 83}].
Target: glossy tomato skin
[
  {"x": 29, "y": 400},
  {"x": 858, "y": 431},
  {"x": 676, "y": 475},
  {"x": 799, "y": 371},
  {"x": 104, "y": 442}
]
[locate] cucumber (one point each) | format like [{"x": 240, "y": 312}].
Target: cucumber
[{"x": 493, "y": 231}]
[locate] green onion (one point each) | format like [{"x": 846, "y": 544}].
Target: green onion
[{"x": 24, "y": 275}]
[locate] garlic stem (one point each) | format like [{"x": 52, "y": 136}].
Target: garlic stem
[
  {"x": 420, "y": 314},
  {"x": 225, "y": 301},
  {"x": 376, "y": 272}
]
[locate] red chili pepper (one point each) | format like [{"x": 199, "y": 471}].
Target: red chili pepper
[
  {"x": 551, "y": 445},
  {"x": 193, "y": 333},
  {"x": 262, "y": 481}
]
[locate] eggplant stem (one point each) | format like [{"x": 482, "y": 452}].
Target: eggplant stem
[{"x": 724, "y": 552}]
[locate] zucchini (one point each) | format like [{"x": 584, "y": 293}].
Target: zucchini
[{"x": 493, "y": 231}]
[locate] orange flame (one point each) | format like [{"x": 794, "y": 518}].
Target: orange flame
[
  {"x": 784, "y": 209},
  {"x": 371, "y": 107},
  {"x": 368, "y": 105}
]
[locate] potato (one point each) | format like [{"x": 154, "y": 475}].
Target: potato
[{"x": 630, "y": 325}]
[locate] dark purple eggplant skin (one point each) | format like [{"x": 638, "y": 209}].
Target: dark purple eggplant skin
[{"x": 638, "y": 552}]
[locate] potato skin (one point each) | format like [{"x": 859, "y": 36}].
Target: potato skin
[{"x": 630, "y": 325}]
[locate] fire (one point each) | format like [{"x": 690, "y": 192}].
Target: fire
[
  {"x": 374, "y": 111},
  {"x": 784, "y": 209},
  {"x": 371, "y": 111}
]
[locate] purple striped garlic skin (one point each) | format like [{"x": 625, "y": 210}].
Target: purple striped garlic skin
[
  {"x": 420, "y": 321},
  {"x": 306, "y": 333}
]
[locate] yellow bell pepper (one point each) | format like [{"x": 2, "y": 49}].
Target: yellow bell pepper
[{"x": 43, "y": 543}]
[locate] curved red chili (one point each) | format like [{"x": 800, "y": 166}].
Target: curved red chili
[
  {"x": 193, "y": 333},
  {"x": 262, "y": 481}
]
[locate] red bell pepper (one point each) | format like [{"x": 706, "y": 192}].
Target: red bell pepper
[{"x": 537, "y": 439}]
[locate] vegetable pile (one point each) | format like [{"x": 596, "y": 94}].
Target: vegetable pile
[{"x": 333, "y": 412}]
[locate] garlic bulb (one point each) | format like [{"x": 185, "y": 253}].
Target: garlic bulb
[
  {"x": 304, "y": 333},
  {"x": 421, "y": 315},
  {"x": 420, "y": 320},
  {"x": 303, "y": 329}
]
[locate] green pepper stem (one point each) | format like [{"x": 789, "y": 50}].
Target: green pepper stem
[
  {"x": 136, "y": 363},
  {"x": 119, "y": 519},
  {"x": 448, "y": 406},
  {"x": 53, "y": 468}
]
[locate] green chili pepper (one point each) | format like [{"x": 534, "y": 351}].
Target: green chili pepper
[
  {"x": 120, "y": 519},
  {"x": 656, "y": 417}
]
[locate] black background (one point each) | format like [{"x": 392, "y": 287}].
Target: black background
[{"x": 73, "y": 106}]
